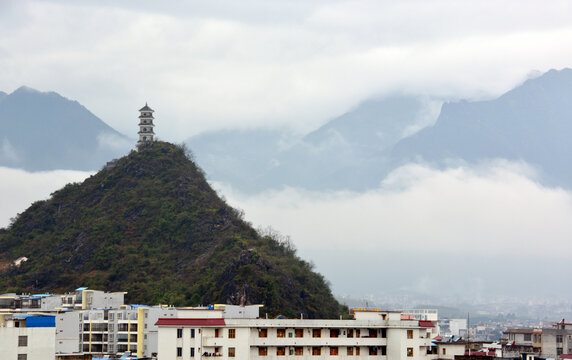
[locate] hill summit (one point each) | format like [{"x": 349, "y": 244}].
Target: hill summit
[{"x": 151, "y": 225}]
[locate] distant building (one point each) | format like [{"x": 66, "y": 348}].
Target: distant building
[{"x": 146, "y": 125}]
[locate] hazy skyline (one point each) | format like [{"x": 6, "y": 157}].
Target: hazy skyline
[{"x": 225, "y": 65}]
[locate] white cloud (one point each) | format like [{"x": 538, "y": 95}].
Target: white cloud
[
  {"x": 207, "y": 66},
  {"x": 424, "y": 223},
  {"x": 19, "y": 188}
]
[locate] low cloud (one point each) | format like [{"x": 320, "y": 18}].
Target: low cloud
[
  {"x": 461, "y": 223},
  {"x": 19, "y": 188}
]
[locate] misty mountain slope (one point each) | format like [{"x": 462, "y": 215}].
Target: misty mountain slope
[
  {"x": 45, "y": 131},
  {"x": 337, "y": 155},
  {"x": 531, "y": 123}
]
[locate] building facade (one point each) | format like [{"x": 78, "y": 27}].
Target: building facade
[{"x": 379, "y": 334}]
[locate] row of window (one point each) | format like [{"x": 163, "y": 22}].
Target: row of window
[
  {"x": 334, "y": 333},
  {"x": 316, "y": 333},
  {"x": 315, "y": 351}
]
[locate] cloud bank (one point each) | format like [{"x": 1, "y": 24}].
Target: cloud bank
[
  {"x": 491, "y": 224},
  {"x": 19, "y": 188}
]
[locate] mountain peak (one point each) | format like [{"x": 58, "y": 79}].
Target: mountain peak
[{"x": 150, "y": 224}]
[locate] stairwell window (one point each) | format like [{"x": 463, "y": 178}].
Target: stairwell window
[
  {"x": 179, "y": 351},
  {"x": 231, "y": 333},
  {"x": 231, "y": 352},
  {"x": 410, "y": 334},
  {"x": 179, "y": 333}
]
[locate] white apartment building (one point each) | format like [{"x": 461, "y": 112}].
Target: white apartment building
[
  {"x": 25, "y": 337},
  {"x": 371, "y": 334}
]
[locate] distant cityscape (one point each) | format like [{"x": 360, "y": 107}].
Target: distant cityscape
[{"x": 92, "y": 324}]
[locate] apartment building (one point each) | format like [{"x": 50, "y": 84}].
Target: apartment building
[
  {"x": 380, "y": 334},
  {"x": 27, "y": 337}
]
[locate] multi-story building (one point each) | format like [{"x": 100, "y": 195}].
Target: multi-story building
[
  {"x": 27, "y": 337},
  {"x": 112, "y": 331},
  {"x": 204, "y": 334},
  {"x": 522, "y": 341},
  {"x": 557, "y": 340}
]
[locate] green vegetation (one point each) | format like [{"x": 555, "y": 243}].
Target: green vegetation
[{"x": 152, "y": 226}]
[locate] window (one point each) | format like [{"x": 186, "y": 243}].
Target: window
[
  {"x": 262, "y": 351},
  {"x": 383, "y": 350},
  {"x": 317, "y": 333},
  {"x": 289, "y": 334},
  {"x": 558, "y": 339},
  {"x": 334, "y": 333},
  {"x": 192, "y": 352},
  {"x": 350, "y": 351},
  {"x": 316, "y": 350},
  {"x": 231, "y": 333},
  {"x": 409, "y": 352},
  {"x": 22, "y": 356},
  {"x": 299, "y": 333},
  {"x": 231, "y": 352},
  {"x": 357, "y": 350},
  {"x": 22, "y": 340},
  {"x": 410, "y": 334},
  {"x": 444, "y": 351},
  {"x": 372, "y": 333},
  {"x": 262, "y": 333},
  {"x": 357, "y": 333},
  {"x": 179, "y": 351},
  {"x": 192, "y": 333},
  {"x": 527, "y": 337},
  {"x": 333, "y": 350},
  {"x": 298, "y": 350},
  {"x": 384, "y": 333},
  {"x": 383, "y": 316},
  {"x": 373, "y": 350},
  {"x": 558, "y": 351},
  {"x": 280, "y": 333},
  {"x": 179, "y": 333},
  {"x": 281, "y": 351},
  {"x": 350, "y": 333}
]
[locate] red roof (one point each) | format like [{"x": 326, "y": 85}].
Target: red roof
[
  {"x": 565, "y": 356},
  {"x": 189, "y": 322},
  {"x": 426, "y": 323}
]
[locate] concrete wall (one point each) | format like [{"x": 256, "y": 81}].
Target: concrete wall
[{"x": 40, "y": 343}]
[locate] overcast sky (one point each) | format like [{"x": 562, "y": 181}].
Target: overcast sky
[
  {"x": 207, "y": 65},
  {"x": 218, "y": 64}
]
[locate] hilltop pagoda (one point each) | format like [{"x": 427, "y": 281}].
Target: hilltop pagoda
[{"x": 146, "y": 125}]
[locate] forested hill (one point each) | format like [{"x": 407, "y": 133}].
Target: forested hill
[{"x": 151, "y": 225}]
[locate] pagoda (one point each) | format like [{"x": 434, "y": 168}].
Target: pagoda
[{"x": 146, "y": 125}]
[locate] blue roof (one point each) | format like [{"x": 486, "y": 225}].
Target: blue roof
[
  {"x": 42, "y": 295},
  {"x": 139, "y": 306},
  {"x": 81, "y": 289}
]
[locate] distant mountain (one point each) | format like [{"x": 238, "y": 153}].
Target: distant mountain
[
  {"x": 337, "y": 155},
  {"x": 45, "y": 131},
  {"x": 150, "y": 224},
  {"x": 531, "y": 123}
]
